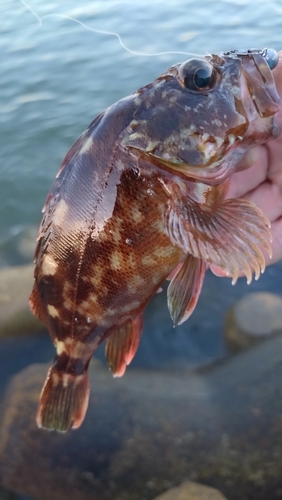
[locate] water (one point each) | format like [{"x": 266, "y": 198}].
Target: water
[{"x": 56, "y": 77}]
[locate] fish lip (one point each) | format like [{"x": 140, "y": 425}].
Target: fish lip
[
  {"x": 211, "y": 175},
  {"x": 261, "y": 102},
  {"x": 261, "y": 85}
]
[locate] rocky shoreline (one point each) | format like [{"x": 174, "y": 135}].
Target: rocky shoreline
[
  {"x": 151, "y": 431},
  {"x": 156, "y": 434}
]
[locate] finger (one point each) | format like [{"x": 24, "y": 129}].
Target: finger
[
  {"x": 217, "y": 271},
  {"x": 275, "y": 160},
  {"x": 244, "y": 181},
  {"x": 268, "y": 197},
  {"x": 249, "y": 159},
  {"x": 262, "y": 157},
  {"x": 276, "y": 231},
  {"x": 275, "y": 147}
]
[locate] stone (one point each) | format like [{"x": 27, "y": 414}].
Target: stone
[
  {"x": 254, "y": 317},
  {"x": 16, "y": 317},
  {"x": 151, "y": 430},
  {"x": 191, "y": 491}
]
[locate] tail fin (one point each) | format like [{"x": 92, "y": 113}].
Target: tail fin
[{"x": 63, "y": 401}]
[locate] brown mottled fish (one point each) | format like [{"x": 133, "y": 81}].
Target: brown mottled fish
[{"x": 141, "y": 191}]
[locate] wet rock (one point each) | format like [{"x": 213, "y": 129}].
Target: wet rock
[
  {"x": 254, "y": 317},
  {"x": 191, "y": 491},
  {"x": 15, "y": 288},
  {"x": 152, "y": 430}
]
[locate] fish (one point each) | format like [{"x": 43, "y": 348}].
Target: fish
[{"x": 141, "y": 193}]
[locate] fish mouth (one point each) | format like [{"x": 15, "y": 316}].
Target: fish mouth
[
  {"x": 261, "y": 85},
  {"x": 259, "y": 101},
  {"x": 213, "y": 174}
]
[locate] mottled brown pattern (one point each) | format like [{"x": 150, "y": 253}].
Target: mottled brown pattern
[{"x": 141, "y": 191}]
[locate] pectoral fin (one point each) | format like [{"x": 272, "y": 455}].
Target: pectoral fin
[
  {"x": 228, "y": 235},
  {"x": 185, "y": 288},
  {"x": 122, "y": 345}
]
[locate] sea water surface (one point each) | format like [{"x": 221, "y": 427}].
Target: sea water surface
[{"x": 56, "y": 75}]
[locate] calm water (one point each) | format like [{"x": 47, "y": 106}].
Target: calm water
[{"x": 56, "y": 77}]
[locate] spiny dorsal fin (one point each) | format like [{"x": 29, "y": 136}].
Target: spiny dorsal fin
[
  {"x": 185, "y": 288},
  {"x": 228, "y": 234},
  {"x": 122, "y": 344}
]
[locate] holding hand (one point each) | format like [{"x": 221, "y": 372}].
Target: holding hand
[{"x": 262, "y": 182}]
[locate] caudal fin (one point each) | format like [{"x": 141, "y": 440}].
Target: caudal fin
[{"x": 63, "y": 401}]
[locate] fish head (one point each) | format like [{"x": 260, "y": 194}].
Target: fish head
[{"x": 201, "y": 116}]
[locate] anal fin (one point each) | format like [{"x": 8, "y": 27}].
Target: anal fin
[
  {"x": 122, "y": 344},
  {"x": 63, "y": 401},
  {"x": 185, "y": 288}
]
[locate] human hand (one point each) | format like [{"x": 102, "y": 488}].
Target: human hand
[{"x": 262, "y": 182}]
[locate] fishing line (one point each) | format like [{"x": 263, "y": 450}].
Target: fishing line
[{"x": 103, "y": 32}]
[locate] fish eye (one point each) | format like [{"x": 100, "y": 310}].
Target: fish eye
[
  {"x": 271, "y": 58},
  {"x": 197, "y": 75}
]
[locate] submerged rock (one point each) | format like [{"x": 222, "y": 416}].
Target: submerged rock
[
  {"x": 254, "y": 317},
  {"x": 191, "y": 491},
  {"x": 152, "y": 430}
]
